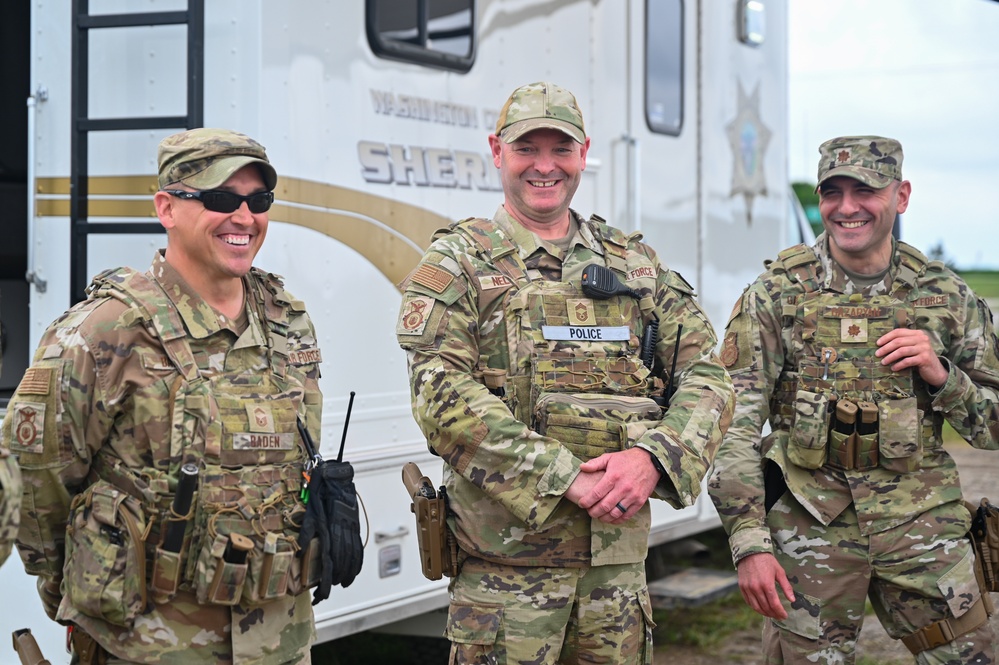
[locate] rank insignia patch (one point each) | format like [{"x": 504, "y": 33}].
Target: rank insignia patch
[
  {"x": 580, "y": 312},
  {"x": 853, "y": 330}
]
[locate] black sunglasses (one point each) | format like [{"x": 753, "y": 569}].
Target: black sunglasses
[{"x": 218, "y": 200}]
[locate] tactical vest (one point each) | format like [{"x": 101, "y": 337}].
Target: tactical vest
[
  {"x": 841, "y": 406},
  {"x": 240, "y": 429},
  {"x": 568, "y": 365}
]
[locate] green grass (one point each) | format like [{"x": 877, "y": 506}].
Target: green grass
[
  {"x": 705, "y": 626},
  {"x": 710, "y": 624},
  {"x": 985, "y": 283}
]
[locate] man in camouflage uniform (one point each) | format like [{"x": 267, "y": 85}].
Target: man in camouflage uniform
[
  {"x": 203, "y": 362},
  {"x": 10, "y": 497},
  {"x": 857, "y": 350},
  {"x": 10, "y": 501},
  {"x": 534, "y": 394}
]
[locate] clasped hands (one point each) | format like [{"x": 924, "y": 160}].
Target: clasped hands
[{"x": 614, "y": 486}]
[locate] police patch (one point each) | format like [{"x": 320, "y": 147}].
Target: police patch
[
  {"x": 415, "y": 313},
  {"x": 730, "y": 351},
  {"x": 27, "y": 427}
]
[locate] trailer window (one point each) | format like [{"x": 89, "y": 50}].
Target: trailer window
[
  {"x": 664, "y": 65},
  {"x": 436, "y": 33}
]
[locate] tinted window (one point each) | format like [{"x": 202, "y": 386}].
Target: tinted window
[
  {"x": 437, "y": 33},
  {"x": 664, "y": 65}
]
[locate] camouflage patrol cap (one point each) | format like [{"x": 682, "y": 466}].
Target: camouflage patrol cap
[
  {"x": 540, "y": 106},
  {"x": 205, "y": 158},
  {"x": 873, "y": 160}
]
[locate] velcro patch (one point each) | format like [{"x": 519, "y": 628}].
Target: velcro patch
[
  {"x": 260, "y": 418},
  {"x": 730, "y": 350},
  {"x": 434, "y": 278},
  {"x": 853, "y": 330},
  {"x": 490, "y": 282},
  {"x": 252, "y": 441},
  {"x": 415, "y": 313},
  {"x": 643, "y": 271},
  {"x": 580, "y": 311},
  {"x": 305, "y": 356},
  {"x": 587, "y": 333},
  {"x": 858, "y": 312},
  {"x": 932, "y": 301},
  {"x": 36, "y": 381},
  {"x": 28, "y": 427}
]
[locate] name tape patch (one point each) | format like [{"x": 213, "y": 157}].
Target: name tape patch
[
  {"x": 587, "y": 333},
  {"x": 490, "y": 282},
  {"x": 255, "y": 441},
  {"x": 857, "y": 312},
  {"x": 932, "y": 301},
  {"x": 305, "y": 356},
  {"x": 638, "y": 273}
]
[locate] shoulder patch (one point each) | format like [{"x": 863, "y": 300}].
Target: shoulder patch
[
  {"x": 432, "y": 277},
  {"x": 415, "y": 313},
  {"x": 730, "y": 350},
  {"x": 36, "y": 381},
  {"x": 27, "y": 427}
]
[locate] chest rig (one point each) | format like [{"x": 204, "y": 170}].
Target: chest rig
[
  {"x": 566, "y": 365},
  {"x": 843, "y": 407},
  {"x": 236, "y": 421}
]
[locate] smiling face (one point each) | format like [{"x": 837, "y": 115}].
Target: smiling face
[
  {"x": 212, "y": 248},
  {"x": 858, "y": 219},
  {"x": 540, "y": 172}
]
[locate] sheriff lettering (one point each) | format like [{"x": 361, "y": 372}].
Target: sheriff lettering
[{"x": 857, "y": 312}]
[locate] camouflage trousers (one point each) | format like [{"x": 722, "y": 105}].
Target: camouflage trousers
[
  {"x": 182, "y": 632},
  {"x": 304, "y": 658},
  {"x": 511, "y": 615},
  {"x": 300, "y": 659},
  {"x": 914, "y": 574}
]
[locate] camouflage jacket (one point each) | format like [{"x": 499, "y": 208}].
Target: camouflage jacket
[
  {"x": 462, "y": 316},
  {"x": 99, "y": 398},
  {"x": 10, "y": 502},
  {"x": 762, "y": 343}
]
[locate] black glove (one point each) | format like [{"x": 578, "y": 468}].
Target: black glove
[{"x": 332, "y": 516}]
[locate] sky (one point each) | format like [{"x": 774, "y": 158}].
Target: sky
[{"x": 925, "y": 72}]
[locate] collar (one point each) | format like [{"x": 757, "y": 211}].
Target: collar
[
  {"x": 528, "y": 242},
  {"x": 200, "y": 319},
  {"x": 834, "y": 278}
]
